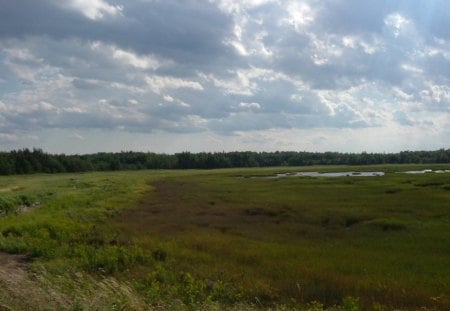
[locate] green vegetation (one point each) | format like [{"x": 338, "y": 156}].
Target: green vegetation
[
  {"x": 36, "y": 161},
  {"x": 211, "y": 240}
]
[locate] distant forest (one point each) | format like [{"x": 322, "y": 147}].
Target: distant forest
[{"x": 26, "y": 161}]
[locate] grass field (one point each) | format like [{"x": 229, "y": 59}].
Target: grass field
[{"x": 213, "y": 240}]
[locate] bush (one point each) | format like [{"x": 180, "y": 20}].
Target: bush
[{"x": 7, "y": 205}]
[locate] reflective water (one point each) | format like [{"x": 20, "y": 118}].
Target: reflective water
[
  {"x": 340, "y": 174},
  {"x": 328, "y": 174},
  {"x": 344, "y": 174},
  {"x": 426, "y": 171}
]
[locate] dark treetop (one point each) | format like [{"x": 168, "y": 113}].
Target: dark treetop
[{"x": 27, "y": 161}]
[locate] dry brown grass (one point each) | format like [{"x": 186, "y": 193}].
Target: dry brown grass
[
  {"x": 18, "y": 290},
  {"x": 23, "y": 287}
]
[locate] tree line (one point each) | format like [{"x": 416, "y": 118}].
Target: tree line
[{"x": 26, "y": 161}]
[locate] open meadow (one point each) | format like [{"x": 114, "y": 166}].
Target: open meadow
[{"x": 236, "y": 239}]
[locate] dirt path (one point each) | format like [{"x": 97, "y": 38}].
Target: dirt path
[
  {"x": 12, "y": 275},
  {"x": 10, "y": 262},
  {"x": 17, "y": 289}
]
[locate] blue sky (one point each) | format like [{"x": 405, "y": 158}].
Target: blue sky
[{"x": 81, "y": 76}]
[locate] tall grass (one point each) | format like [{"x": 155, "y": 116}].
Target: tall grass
[
  {"x": 210, "y": 240},
  {"x": 297, "y": 240}
]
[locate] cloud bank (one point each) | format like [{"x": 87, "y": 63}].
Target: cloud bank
[{"x": 84, "y": 76}]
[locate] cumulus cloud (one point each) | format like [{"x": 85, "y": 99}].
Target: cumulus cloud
[
  {"x": 397, "y": 23},
  {"x": 224, "y": 68},
  {"x": 94, "y": 9},
  {"x": 300, "y": 15},
  {"x": 249, "y": 105},
  {"x": 126, "y": 57},
  {"x": 159, "y": 83}
]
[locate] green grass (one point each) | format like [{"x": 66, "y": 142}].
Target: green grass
[{"x": 212, "y": 240}]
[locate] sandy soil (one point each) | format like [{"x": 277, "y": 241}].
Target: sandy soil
[{"x": 17, "y": 289}]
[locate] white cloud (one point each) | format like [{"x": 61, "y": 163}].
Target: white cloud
[
  {"x": 146, "y": 62},
  {"x": 324, "y": 49},
  {"x": 3, "y": 106},
  {"x": 400, "y": 94},
  {"x": 261, "y": 66},
  {"x": 349, "y": 41},
  {"x": 159, "y": 83},
  {"x": 259, "y": 47},
  {"x": 28, "y": 67},
  {"x": 45, "y": 106},
  {"x": 436, "y": 94},
  {"x": 245, "y": 82},
  {"x": 195, "y": 120},
  {"x": 127, "y": 57},
  {"x": 238, "y": 85},
  {"x": 95, "y": 9},
  {"x": 369, "y": 46},
  {"x": 22, "y": 54},
  {"x": 75, "y": 110},
  {"x": 76, "y": 136},
  {"x": 125, "y": 87},
  {"x": 245, "y": 40},
  {"x": 397, "y": 23},
  {"x": 238, "y": 46},
  {"x": 235, "y": 7},
  {"x": 175, "y": 101},
  {"x": 300, "y": 15},
  {"x": 433, "y": 52},
  {"x": 183, "y": 104},
  {"x": 411, "y": 69},
  {"x": 249, "y": 105},
  {"x": 168, "y": 98}
]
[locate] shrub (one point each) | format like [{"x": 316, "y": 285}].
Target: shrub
[{"x": 7, "y": 205}]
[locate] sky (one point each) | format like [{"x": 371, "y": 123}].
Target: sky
[{"x": 84, "y": 76}]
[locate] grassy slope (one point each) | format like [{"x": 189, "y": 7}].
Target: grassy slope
[
  {"x": 209, "y": 236},
  {"x": 64, "y": 236}
]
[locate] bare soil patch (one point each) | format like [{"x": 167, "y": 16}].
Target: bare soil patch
[{"x": 17, "y": 289}]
